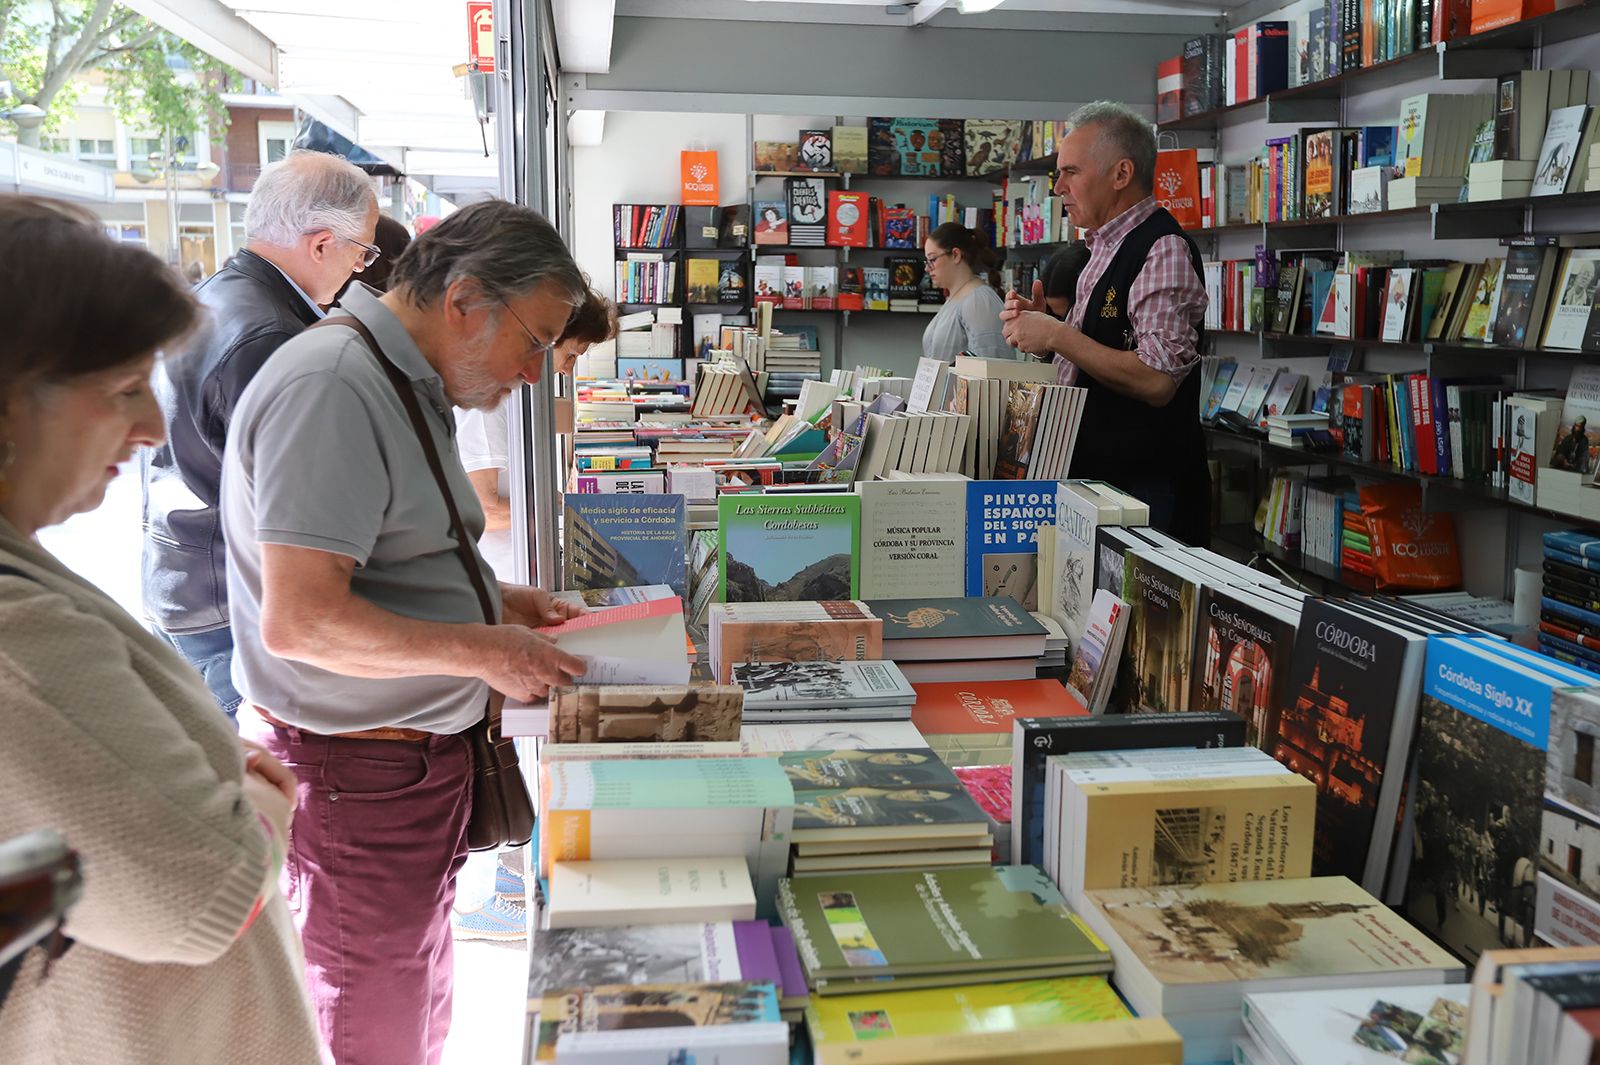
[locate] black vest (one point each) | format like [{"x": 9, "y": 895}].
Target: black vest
[{"x": 1123, "y": 440}]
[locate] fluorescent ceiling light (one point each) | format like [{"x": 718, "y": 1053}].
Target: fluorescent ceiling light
[{"x": 977, "y": 7}]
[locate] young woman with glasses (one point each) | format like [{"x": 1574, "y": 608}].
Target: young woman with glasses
[{"x": 959, "y": 262}]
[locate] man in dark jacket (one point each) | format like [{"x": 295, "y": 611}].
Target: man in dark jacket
[{"x": 308, "y": 226}]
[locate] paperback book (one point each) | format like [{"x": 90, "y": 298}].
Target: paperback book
[
  {"x": 622, "y": 540},
  {"x": 913, "y": 538},
  {"x": 1003, "y": 518},
  {"x": 800, "y": 547},
  {"x": 884, "y": 794}
]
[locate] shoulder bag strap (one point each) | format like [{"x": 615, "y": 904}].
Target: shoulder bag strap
[{"x": 419, "y": 423}]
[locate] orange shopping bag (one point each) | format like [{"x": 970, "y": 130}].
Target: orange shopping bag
[
  {"x": 1178, "y": 185},
  {"x": 699, "y": 178}
]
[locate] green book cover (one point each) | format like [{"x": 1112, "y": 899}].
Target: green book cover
[
  {"x": 907, "y": 791},
  {"x": 928, "y": 921},
  {"x": 788, "y": 548},
  {"x": 954, "y": 618},
  {"x": 666, "y": 783},
  {"x": 962, "y": 1009}
]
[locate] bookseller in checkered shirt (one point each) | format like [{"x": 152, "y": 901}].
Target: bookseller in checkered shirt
[{"x": 1132, "y": 336}]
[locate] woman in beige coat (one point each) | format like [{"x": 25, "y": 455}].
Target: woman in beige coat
[{"x": 184, "y": 950}]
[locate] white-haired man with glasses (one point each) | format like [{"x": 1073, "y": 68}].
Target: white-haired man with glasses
[{"x": 309, "y": 225}]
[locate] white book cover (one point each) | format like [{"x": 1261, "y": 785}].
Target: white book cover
[
  {"x": 1574, "y": 298},
  {"x": 616, "y": 891},
  {"x": 913, "y": 537},
  {"x": 765, "y": 738},
  {"x": 1558, "y": 155},
  {"x": 928, "y": 385},
  {"x": 1282, "y": 397},
  {"x": 1397, "y": 304},
  {"x": 1079, "y": 512},
  {"x": 1361, "y": 1026},
  {"x": 1256, "y": 394},
  {"x": 779, "y": 686},
  {"x": 1239, "y": 385},
  {"x": 640, "y": 643}
]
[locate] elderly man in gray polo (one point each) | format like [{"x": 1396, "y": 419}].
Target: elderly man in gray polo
[{"x": 362, "y": 651}]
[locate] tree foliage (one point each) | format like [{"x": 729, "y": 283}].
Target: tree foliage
[{"x": 154, "y": 79}]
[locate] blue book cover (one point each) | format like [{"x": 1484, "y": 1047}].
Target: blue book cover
[
  {"x": 1574, "y": 542},
  {"x": 1567, "y": 558},
  {"x": 1003, "y": 518},
  {"x": 1570, "y": 653},
  {"x": 1573, "y": 613},
  {"x": 617, "y": 541},
  {"x": 1481, "y": 751},
  {"x": 1377, "y": 145}
]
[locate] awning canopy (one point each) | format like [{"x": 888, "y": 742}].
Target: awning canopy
[{"x": 378, "y": 73}]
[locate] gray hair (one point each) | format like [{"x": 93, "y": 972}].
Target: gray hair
[
  {"x": 506, "y": 250},
  {"x": 307, "y": 192},
  {"x": 1123, "y": 134}
]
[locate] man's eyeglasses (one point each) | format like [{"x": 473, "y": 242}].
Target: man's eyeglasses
[
  {"x": 930, "y": 260},
  {"x": 540, "y": 347},
  {"x": 369, "y": 253}
]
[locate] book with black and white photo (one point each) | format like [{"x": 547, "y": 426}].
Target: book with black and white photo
[{"x": 778, "y": 691}]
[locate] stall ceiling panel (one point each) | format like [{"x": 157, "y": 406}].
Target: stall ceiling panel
[{"x": 881, "y": 62}]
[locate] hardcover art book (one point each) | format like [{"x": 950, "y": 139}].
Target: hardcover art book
[
  {"x": 1348, "y": 716},
  {"x": 624, "y": 540},
  {"x": 788, "y": 547},
  {"x": 1161, "y": 627},
  {"x": 991, "y": 145},
  {"x": 1003, "y": 519},
  {"x": 1241, "y": 658},
  {"x": 1481, "y": 753},
  {"x": 915, "y": 147}
]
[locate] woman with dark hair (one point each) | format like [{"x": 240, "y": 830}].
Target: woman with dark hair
[
  {"x": 184, "y": 949},
  {"x": 957, "y": 261}
]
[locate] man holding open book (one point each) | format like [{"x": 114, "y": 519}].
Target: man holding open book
[
  {"x": 370, "y": 631},
  {"x": 1132, "y": 336}
]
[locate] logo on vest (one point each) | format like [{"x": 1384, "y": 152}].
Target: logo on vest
[{"x": 1110, "y": 309}]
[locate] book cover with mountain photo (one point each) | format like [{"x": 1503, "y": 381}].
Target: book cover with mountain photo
[{"x": 800, "y": 547}]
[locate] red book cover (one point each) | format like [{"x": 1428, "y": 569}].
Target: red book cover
[
  {"x": 1427, "y": 454},
  {"x": 1241, "y": 67},
  {"x": 968, "y": 708},
  {"x": 1169, "y": 89},
  {"x": 1490, "y": 14},
  {"x": 990, "y": 788},
  {"x": 847, "y": 219}
]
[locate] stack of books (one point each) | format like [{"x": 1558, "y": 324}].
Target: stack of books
[
  {"x": 1191, "y": 953},
  {"x": 1533, "y": 1005},
  {"x": 1569, "y": 608},
  {"x": 934, "y": 928},
  {"x": 960, "y": 639},
  {"x": 887, "y": 808},
  {"x": 668, "y": 809},
  {"x": 1163, "y": 817}
]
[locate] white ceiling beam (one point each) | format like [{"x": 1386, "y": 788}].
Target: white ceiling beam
[
  {"x": 583, "y": 34},
  {"x": 216, "y": 30},
  {"x": 926, "y": 9},
  {"x": 335, "y": 112}
]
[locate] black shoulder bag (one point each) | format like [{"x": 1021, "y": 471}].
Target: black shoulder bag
[{"x": 502, "y": 811}]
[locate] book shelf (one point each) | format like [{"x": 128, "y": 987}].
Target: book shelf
[
  {"x": 1502, "y": 525},
  {"x": 674, "y": 249},
  {"x": 1481, "y": 55}
]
